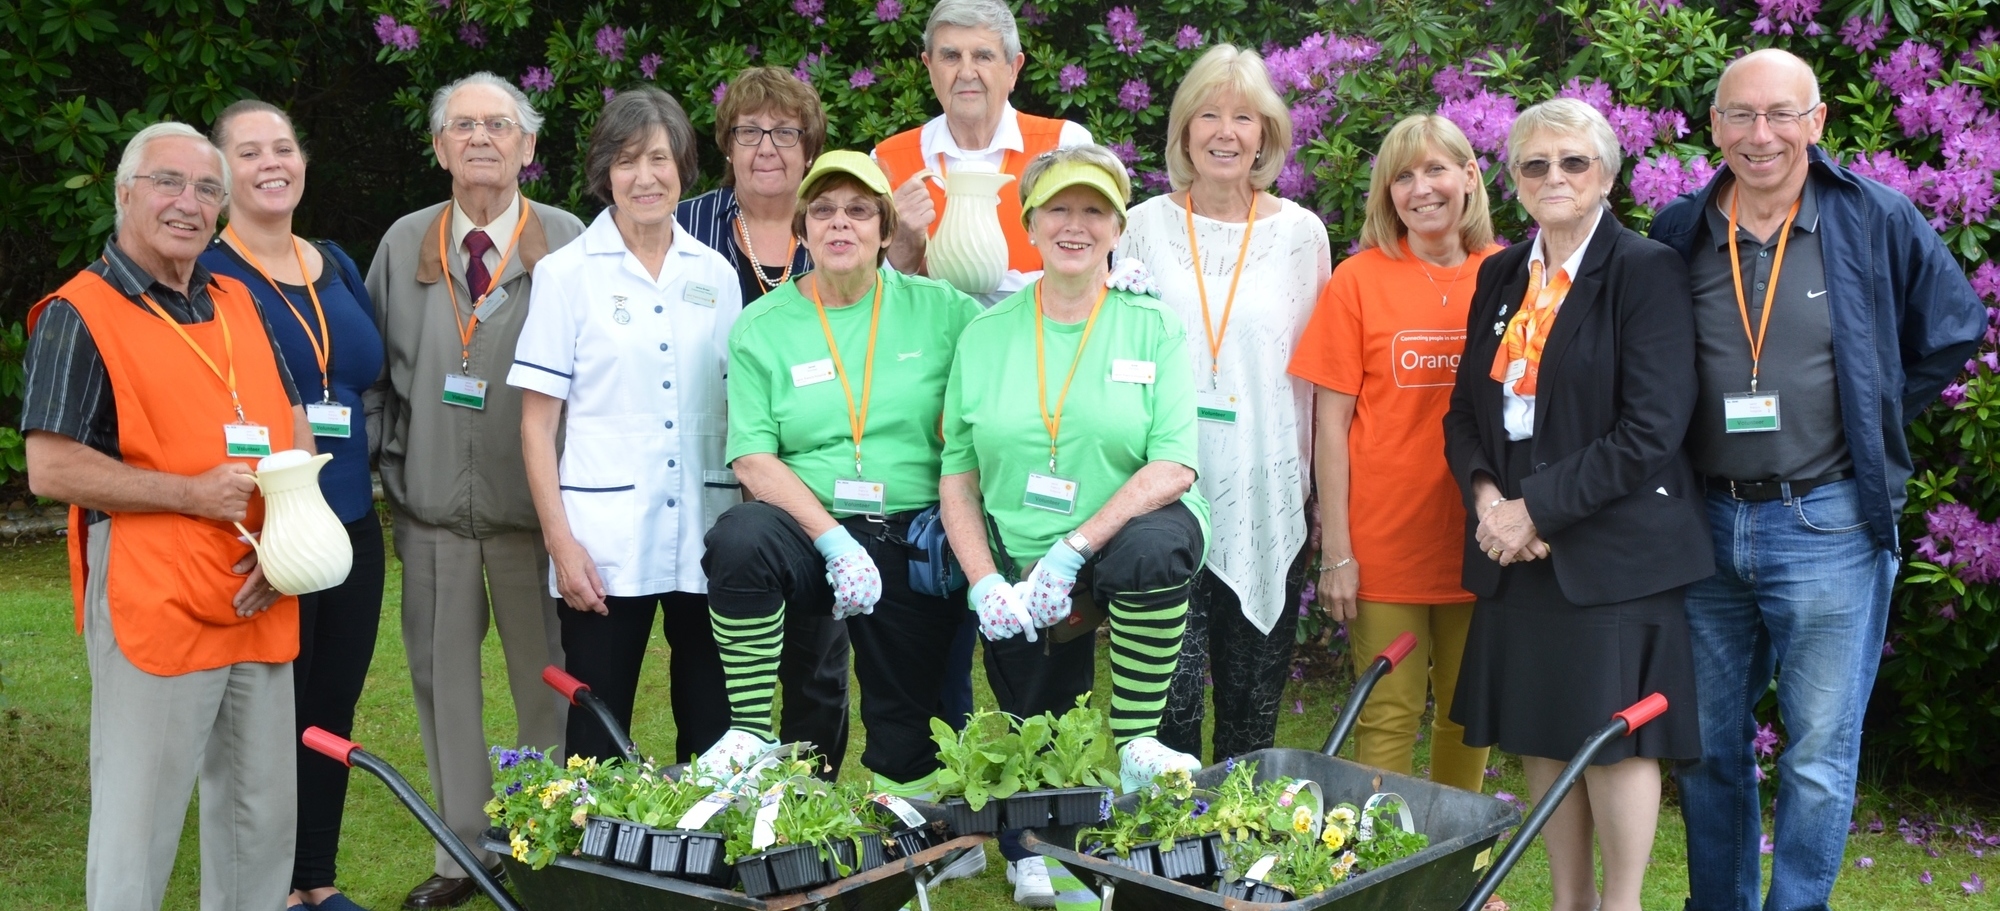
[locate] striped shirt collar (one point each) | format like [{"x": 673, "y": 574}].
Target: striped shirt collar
[{"x": 133, "y": 280}]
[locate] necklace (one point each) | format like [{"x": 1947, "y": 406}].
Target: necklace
[
  {"x": 1444, "y": 299},
  {"x": 757, "y": 268}
]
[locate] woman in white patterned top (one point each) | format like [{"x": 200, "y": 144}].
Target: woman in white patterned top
[{"x": 1262, "y": 261}]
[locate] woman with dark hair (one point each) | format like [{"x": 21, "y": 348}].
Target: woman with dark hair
[
  {"x": 624, "y": 347},
  {"x": 320, "y": 315}
]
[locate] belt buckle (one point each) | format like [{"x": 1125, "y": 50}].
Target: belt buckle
[{"x": 1733, "y": 493}]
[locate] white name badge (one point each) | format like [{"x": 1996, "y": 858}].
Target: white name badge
[
  {"x": 859, "y": 496},
  {"x": 699, "y": 294},
  {"x": 1516, "y": 369},
  {"x": 1219, "y": 407},
  {"x": 330, "y": 419},
  {"x": 818, "y": 371},
  {"x": 246, "y": 440},
  {"x": 1750, "y": 412},
  {"x": 465, "y": 391},
  {"x": 491, "y": 305},
  {"x": 1123, "y": 371},
  {"x": 1046, "y": 491}
]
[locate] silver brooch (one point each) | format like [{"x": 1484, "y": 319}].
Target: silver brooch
[
  {"x": 1499, "y": 328},
  {"x": 621, "y": 316}
]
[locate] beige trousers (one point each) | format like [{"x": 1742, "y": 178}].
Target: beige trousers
[
  {"x": 450, "y": 583},
  {"x": 1385, "y": 736},
  {"x": 152, "y": 738}
]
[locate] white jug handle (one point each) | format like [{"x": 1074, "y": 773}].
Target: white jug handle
[{"x": 249, "y": 539}]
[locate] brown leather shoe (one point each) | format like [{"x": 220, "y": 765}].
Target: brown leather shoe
[{"x": 440, "y": 892}]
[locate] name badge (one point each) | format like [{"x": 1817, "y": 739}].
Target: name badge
[
  {"x": 818, "y": 371},
  {"x": 330, "y": 419},
  {"x": 1219, "y": 407},
  {"x": 465, "y": 391},
  {"x": 246, "y": 440},
  {"x": 1141, "y": 372},
  {"x": 857, "y": 496},
  {"x": 1750, "y": 412},
  {"x": 1516, "y": 369},
  {"x": 492, "y": 304},
  {"x": 1046, "y": 491},
  {"x": 699, "y": 294}
]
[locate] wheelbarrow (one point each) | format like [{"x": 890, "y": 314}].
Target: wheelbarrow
[{"x": 1457, "y": 870}]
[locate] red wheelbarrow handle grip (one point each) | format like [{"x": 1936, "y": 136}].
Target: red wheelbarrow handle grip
[
  {"x": 331, "y": 745},
  {"x": 561, "y": 681},
  {"x": 1642, "y": 711},
  {"x": 1400, "y": 649}
]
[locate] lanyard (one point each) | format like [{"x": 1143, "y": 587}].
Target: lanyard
[
  {"x": 1053, "y": 421},
  {"x": 465, "y": 329},
  {"x": 228, "y": 351},
  {"x": 1215, "y": 335},
  {"x": 322, "y": 344},
  {"x": 857, "y": 418},
  {"x": 1770, "y": 291}
]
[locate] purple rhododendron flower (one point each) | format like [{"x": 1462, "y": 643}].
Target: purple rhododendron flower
[
  {"x": 611, "y": 42},
  {"x": 1188, "y": 38},
  {"x": 1862, "y": 34},
  {"x": 532, "y": 172},
  {"x": 1909, "y": 69},
  {"x": 1135, "y": 95},
  {"x": 1318, "y": 62},
  {"x": 1974, "y": 886},
  {"x": 538, "y": 79},
  {"x": 1295, "y": 182},
  {"x": 1597, "y": 94},
  {"x": 1308, "y": 122},
  {"x": 385, "y": 28},
  {"x": 1122, "y": 24},
  {"x": 1485, "y": 119},
  {"x": 1456, "y": 83},
  {"x": 1670, "y": 125},
  {"x": 649, "y": 65},
  {"x": 1787, "y": 17},
  {"x": 1127, "y": 152},
  {"x": 1072, "y": 77},
  {"x": 1958, "y": 538},
  {"x": 472, "y": 35},
  {"x": 810, "y": 9},
  {"x": 888, "y": 11},
  {"x": 1986, "y": 282},
  {"x": 721, "y": 89},
  {"x": 1766, "y": 742},
  {"x": 1764, "y": 845},
  {"x": 609, "y": 93},
  {"x": 862, "y": 78},
  {"x": 1633, "y": 126}
]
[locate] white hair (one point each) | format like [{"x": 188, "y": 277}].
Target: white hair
[
  {"x": 531, "y": 122},
  {"x": 135, "y": 152},
  {"x": 986, "y": 14}
]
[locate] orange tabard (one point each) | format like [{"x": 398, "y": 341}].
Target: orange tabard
[
  {"x": 169, "y": 579},
  {"x": 901, "y": 157}
]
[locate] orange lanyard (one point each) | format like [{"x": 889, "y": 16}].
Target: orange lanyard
[
  {"x": 1770, "y": 291},
  {"x": 857, "y": 418},
  {"x": 228, "y": 351},
  {"x": 322, "y": 345},
  {"x": 465, "y": 329},
  {"x": 1215, "y": 335},
  {"x": 1053, "y": 421}
]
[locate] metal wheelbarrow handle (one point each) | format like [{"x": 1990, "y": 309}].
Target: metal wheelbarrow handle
[
  {"x": 578, "y": 693},
  {"x": 1622, "y": 724},
  {"x": 1383, "y": 664},
  {"x": 347, "y": 753}
]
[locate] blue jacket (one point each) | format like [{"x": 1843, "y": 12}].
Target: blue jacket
[{"x": 1904, "y": 318}]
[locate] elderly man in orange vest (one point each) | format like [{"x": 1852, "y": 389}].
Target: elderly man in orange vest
[
  {"x": 973, "y": 51},
  {"x": 152, "y": 388}
]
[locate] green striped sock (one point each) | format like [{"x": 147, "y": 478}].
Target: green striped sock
[
  {"x": 1145, "y": 648},
  {"x": 750, "y": 648}
]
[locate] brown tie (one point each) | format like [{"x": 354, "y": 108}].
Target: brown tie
[{"x": 477, "y": 279}]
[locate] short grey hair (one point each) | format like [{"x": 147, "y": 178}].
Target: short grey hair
[
  {"x": 135, "y": 152},
  {"x": 531, "y": 122},
  {"x": 986, "y": 14},
  {"x": 1088, "y": 153},
  {"x": 1566, "y": 117}
]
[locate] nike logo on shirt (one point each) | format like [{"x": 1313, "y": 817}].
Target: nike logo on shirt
[{"x": 1815, "y": 293}]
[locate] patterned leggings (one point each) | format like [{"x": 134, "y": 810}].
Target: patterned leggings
[{"x": 1248, "y": 669}]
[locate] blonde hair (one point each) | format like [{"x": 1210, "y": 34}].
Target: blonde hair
[
  {"x": 1090, "y": 154},
  {"x": 1226, "y": 67},
  {"x": 1408, "y": 141}
]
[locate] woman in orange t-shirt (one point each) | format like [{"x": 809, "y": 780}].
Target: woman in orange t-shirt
[{"x": 1383, "y": 346}]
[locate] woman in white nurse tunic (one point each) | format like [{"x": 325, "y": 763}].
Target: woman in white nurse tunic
[{"x": 622, "y": 362}]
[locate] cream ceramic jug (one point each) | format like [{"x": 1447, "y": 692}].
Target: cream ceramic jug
[
  {"x": 969, "y": 251},
  {"x": 304, "y": 548}
]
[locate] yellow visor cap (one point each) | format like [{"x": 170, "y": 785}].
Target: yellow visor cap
[
  {"x": 1068, "y": 174},
  {"x": 855, "y": 164}
]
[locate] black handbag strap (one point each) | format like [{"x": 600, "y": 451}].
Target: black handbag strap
[{"x": 1009, "y": 570}]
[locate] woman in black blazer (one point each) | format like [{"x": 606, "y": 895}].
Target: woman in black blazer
[{"x": 1565, "y": 428}]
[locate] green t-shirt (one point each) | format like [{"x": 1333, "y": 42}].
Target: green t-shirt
[
  {"x": 1111, "y": 425},
  {"x": 778, "y": 343}
]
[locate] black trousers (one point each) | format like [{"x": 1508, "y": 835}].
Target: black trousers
[
  {"x": 813, "y": 674},
  {"x": 607, "y": 650},
  {"x": 760, "y": 561},
  {"x": 336, "y": 643},
  {"x": 1247, "y": 667}
]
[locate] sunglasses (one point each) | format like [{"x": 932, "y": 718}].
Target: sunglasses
[{"x": 1571, "y": 164}]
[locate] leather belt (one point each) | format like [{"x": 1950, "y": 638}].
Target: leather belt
[{"x": 1757, "y": 491}]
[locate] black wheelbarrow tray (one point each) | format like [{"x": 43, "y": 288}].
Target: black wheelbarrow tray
[{"x": 1463, "y": 827}]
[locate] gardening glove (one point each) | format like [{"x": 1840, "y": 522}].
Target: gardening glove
[
  {"x": 1130, "y": 274},
  {"x": 1000, "y": 613},
  {"x": 1046, "y": 590},
  {"x": 857, "y": 584}
]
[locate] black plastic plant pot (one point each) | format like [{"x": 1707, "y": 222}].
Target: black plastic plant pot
[
  {"x": 873, "y": 853},
  {"x": 1027, "y": 810},
  {"x": 1212, "y": 843},
  {"x": 634, "y": 847},
  {"x": 1188, "y": 862},
  {"x": 966, "y": 821},
  {"x": 1078, "y": 806},
  {"x": 913, "y": 839},
  {"x": 702, "y": 857},
  {"x": 600, "y": 833},
  {"x": 756, "y": 875},
  {"x": 1143, "y": 859},
  {"x": 872, "y": 856},
  {"x": 664, "y": 855},
  {"x": 1249, "y": 891},
  {"x": 794, "y": 868}
]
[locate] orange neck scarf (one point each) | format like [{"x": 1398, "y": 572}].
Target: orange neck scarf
[{"x": 1528, "y": 331}]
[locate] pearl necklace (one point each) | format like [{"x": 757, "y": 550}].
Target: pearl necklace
[{"x": 757, "y": 268}]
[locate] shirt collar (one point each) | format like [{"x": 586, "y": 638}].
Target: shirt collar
[
  {"x": 500, "y": 229},
  {"x": 133, "y": 280},
  {"x": 1575, "y": 260},
  {"x": 936, "y": 139},
  {"x": 1717, "y": 215},
  {"x": 602, "y": 237}
]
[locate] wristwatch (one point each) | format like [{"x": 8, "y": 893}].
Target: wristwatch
[{"x": 1077, "y": 542}]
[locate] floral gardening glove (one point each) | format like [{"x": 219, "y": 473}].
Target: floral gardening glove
[
  {"x": 1046, "y": 590},
  {"x": 857, "y": 584},
  {"x": 1130, "y": 274},
  {"x": 1001, "y": 614}
]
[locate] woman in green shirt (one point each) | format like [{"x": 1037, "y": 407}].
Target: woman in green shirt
[
  {"x": 836, "y": 384},
  {"x": 1070, "y": 430}
]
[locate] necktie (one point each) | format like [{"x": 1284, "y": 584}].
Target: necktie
[{"x": 477, "y": 279}]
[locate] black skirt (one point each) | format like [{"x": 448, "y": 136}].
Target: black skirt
[{"x": 1541, "y": 674}]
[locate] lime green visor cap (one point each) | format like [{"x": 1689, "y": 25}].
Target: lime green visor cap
[
  {"x": 1064, "y": 175},
  {"x": 854, "y": 164}
]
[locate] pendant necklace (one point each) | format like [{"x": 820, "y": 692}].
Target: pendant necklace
[{"x": 1444, "y": 299}]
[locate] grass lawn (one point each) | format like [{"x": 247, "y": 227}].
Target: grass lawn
[{"x": 44, "y": 780}]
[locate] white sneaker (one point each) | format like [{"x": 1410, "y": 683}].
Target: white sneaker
[
  {"x": 968, "y": 865},
  {"x": 728, "y": 756},
  {"x": 1030, "y": 876},
  {"x": 1141, "y": 759}
]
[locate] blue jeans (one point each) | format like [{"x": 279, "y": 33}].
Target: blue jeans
[{"x": 1801, "y": 588}]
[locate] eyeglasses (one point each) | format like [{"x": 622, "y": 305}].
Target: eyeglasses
[
  {"x": 496, "y": 127},
  {"x": 1539, "y": 167},
  {"x": 1743, "y": 117},
  {"x": 172, "y": 185},
  {"x": 782, "y": 137},
  {"x": 856, "y": 211}
]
